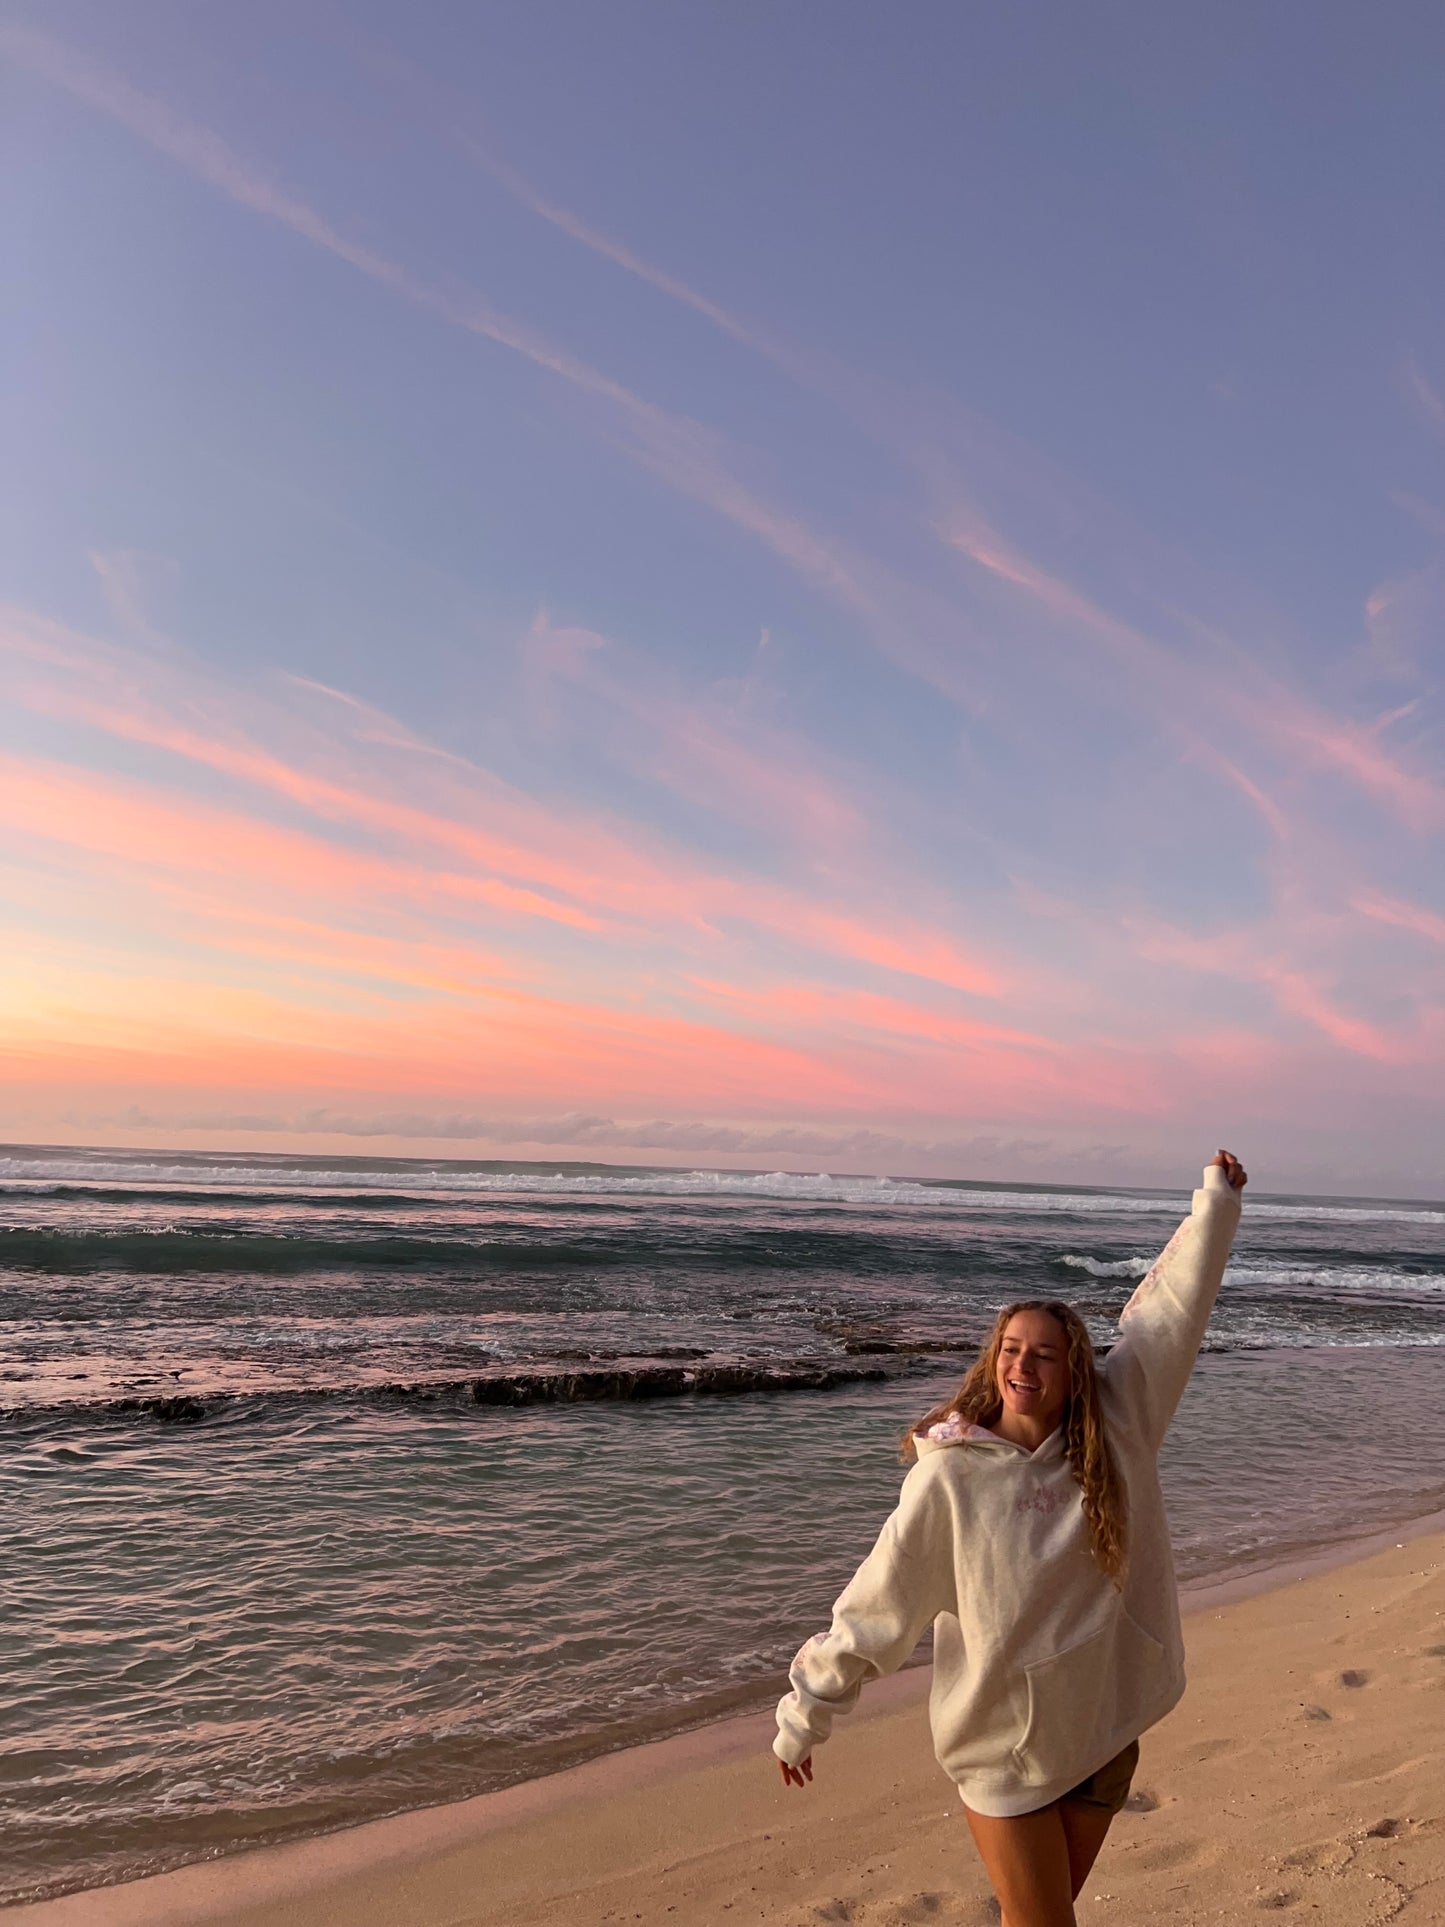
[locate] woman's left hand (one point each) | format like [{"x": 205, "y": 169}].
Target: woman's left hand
[{"x": 1233, "y": 1169}]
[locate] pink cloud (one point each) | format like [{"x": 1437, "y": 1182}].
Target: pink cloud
[
  {"x": 565, "y": 868},
  {"x": 91, "y": 1024},
  {"x": 1262, "y": 958},
  {"x": 1264, "y": 804},
  {"x": 1404, "y": 916},
  {"x": 689, "y": 458},
  {"x": 820, "y": 1006},
  {"x": 712, "y": 748},
  {"x": 1299, "y": 995},
  {"x": 1227, "y": 685},
  {"x": 1355, "y": 753},
  {"x": 107, "y": 816}
]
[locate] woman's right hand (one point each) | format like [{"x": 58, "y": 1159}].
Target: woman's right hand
[{"x": 798, "y": 1775}]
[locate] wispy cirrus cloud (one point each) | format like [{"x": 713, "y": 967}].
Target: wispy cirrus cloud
[
  {"x": 1250, "y": 700},
  {"x": 1222, "y": 692},
  {"x": 118, "y": 820},
  {"x": 1292, "y": 961},
  {"x": 352, "y": 939},
  {"x": 717, "y": 746},
  {"x": 453, "y": 120},
  {"x": 306, "y": 897},
  {"x": 1423, "y": 393},
  {"x": 680, "y": 451},
  {"x": 1404, "y": 619},
  {"x": 478, "y": 841},
  {"x": 915, "y": 627},
  {"x": 1403, "y": 916},
  {"x": 94, "y": 1025}
]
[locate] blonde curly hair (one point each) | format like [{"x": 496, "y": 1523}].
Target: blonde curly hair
[{"x": 1086, "y": 1445}]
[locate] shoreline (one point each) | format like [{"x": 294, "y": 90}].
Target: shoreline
[{"x": 298, "y": 1882}]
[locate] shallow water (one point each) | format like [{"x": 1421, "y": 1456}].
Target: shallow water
[{"x": 290, "y": 1615}]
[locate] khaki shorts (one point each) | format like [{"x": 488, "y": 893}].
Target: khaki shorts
[{"x": 1108, "y": 1788}]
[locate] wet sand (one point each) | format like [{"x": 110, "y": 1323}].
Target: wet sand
[{"x": 1302, "y": 1778}]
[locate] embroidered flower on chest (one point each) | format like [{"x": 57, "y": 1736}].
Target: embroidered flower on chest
[{"x": 1043, "y": 1499}]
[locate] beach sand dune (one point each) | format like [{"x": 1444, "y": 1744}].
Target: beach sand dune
[{"x": 1302, "y": 1779}]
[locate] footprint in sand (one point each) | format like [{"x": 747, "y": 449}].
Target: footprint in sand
[
  {"x": 1306, "y": 1859},
  {"x": 1141, "y": 1800},
  {"x": 898, "y": 1910},
  {"x": 1433, "y": 1652},
  {"x": 1314, "y": 1713},
  {"x": 1277, "y": 1898},
  {"x": 913, "y": 1908},
  {"x": 1352, "y": 1677},
  {"x": 1171, "y": 1853},
  {"x": 1211, "y": 1749},
  {"x": 984, "y": 1913}
]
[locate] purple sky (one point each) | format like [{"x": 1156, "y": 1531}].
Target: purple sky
[{"x": 801, "y": 585}]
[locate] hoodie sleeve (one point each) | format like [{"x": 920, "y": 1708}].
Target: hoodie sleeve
[
  {"x": 1162, "y": 1326},
  {"x": 894, "y": 1596}
]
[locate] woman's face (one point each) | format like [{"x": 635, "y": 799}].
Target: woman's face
[{"x": 1033, "y": 1367}]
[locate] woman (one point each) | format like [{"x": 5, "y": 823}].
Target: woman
[{"x": 1031, "y": 1533}]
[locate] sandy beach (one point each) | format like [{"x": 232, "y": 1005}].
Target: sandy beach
[{"x": 1303, "y": 1775}]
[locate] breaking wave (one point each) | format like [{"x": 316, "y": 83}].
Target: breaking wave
[
  {"x": 1107, "y": 1268},
  {"x": 145, "y": 1178}
]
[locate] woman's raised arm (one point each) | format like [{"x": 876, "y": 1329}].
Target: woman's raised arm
[{"x": 1162, "y": 1326}]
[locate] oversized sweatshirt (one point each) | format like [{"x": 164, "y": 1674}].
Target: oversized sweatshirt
[{"x": 1043, "y": 1667}]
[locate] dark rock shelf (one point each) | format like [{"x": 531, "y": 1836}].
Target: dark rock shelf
[{"x": 541, "y": 1385}]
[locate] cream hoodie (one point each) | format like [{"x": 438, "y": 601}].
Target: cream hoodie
[{"x": 1043, "y": 1668}]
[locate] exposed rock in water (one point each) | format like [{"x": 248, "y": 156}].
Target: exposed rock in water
[
  {"x": 550, "y": 1385},
  {"x": 666, "y": 1381},
  {"x": 905, "y": 1347},
  {"x": 177, "y": 1409},
  {"x": 858, "y": 1341},
  {"x": 592, "y": 1353}
]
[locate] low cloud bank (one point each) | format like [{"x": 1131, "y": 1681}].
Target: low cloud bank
[{"x": 861, "y": 1148}]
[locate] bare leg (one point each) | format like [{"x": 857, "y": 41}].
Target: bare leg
[
  {"x": 1084, "y": 1831},
  {"x": 1027, "y": 1859}
]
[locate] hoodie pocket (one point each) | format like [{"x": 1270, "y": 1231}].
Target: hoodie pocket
[{"x": 1081, "y": 1701}]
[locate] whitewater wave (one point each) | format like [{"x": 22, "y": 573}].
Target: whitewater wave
[
  {"x": 79, "y": 1177},
  {"x": 1354, "y": 1280},
  {"x": 376, "y": 1182},
  {"x": 1366, "y": 1280},
  {"x": 1107, "y": 1268}
]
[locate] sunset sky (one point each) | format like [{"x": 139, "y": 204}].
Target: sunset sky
[{"x": 834, "y": 587}]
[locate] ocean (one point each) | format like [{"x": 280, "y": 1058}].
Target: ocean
[{"x": 339, "y": 1486}]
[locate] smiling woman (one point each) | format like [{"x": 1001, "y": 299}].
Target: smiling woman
[
  {"x": 1035, "y": 1373},
  {"x": 1031, "y": 1535}
]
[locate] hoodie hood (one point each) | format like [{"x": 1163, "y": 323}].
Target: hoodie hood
[{"x": 979, "y": 1438}]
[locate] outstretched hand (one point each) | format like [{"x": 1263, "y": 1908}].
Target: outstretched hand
[
  {"x": 797, "y": 1775},
  {"x": 1233, "y": 1169}
]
